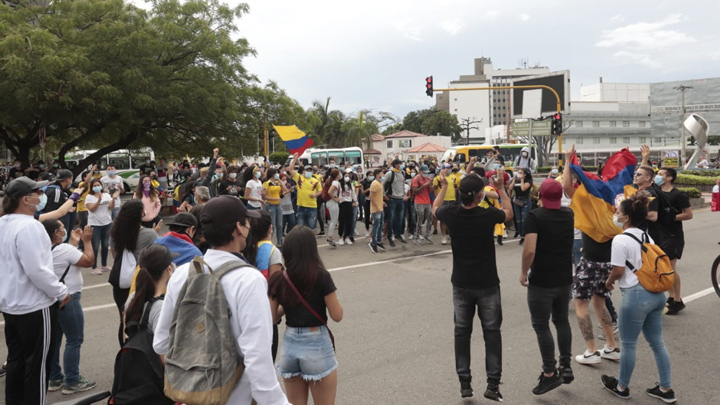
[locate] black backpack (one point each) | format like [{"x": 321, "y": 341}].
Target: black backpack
[
  {"x": 388, "y": 185},
  {"x": 139, "y": 375}
]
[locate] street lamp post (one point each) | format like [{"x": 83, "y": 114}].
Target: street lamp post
[{"x": 682, "y": 139}]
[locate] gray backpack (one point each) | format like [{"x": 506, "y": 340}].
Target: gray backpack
[{"x": 202, "y": 365}]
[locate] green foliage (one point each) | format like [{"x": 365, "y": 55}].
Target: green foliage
[
  {"x": 546, "y": 169},
  {"x": 692, "y": 180},
  {"x": 279, "y": 157},
  {"x": 691, "y": 192},
  {"x": 432, "y": 121},
  {"x": 702, "y": 173}
]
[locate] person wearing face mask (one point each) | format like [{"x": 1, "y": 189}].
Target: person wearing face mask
[
  {"x": 409, "y": 199},
  {"x": 179, "y": 239},
  {"x": 449, "y": 196},
  {"x": 113, "y": 183},
  {"x": 99, "y": 206},
  {"x": 348, "y": 201},
  {"x": 523, "y": 188},
  {"x": 554, "y": 173},
  {"x": 155, "y": 183},
  {"x": 394, "y": 187},
  {"x": 365, "y": 191},
  {"x": 254, "y": 190},
  {"x": 68, "y": 262},
  {"x": 231, "y": 185},
  {"x": 146, "y": 167},
  {"x": 287, "y": 205},
  {"x": 308, "y": 190},
  {"x": 151, "y": 201},
  {"x": 30, "y": 293},
  {"x": 524, "y": 161},
  {"x": 272, "y": 191},
  {"x": 57, "y": 194},
  {"x": 421, "y": 186}
]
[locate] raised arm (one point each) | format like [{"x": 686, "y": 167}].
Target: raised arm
[{"x": 568, "y": 186}]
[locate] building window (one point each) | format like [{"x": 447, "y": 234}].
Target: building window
[
  {"x": 596, "y": 141},
  {"x": 626, "y": 140},
  {"x": 596, "y": 124},
  {"x": 579, "y": 141},
  {"x": 578, "y": 124},
  {"x": 405, "y": 143},
  {"x": 613, "y": 124},
  {"x": 643, "y": 140},
  {"x": 642, "y": 124},
  {"x": 389, "y": 144},
  {"x": 626, "y": 124},
  {"x": 613, "y": 139}
]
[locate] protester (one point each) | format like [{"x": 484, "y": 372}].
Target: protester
[
  {"x": 307, "y": 358},
  {"x": 68, "y": 262},
  {"x": 492, "y": 199},
  {"x": 348, "y": 201},
  {"x": 100, "y": 206},
  {"x": 183, "y": 227},
  {"x": 394, "y": 188},
  {"x": 332, "y": 185},
  {"x": 57, "y": 195},
  {"x": 225, "y": 223},
  {"x": 547, "y": 255},
  {"x": 273, "y": 190},
  {"x": 150, "y": 198},
  {"x": 129, "y": 238},
  {"x": 230, "y": 185},
  {"x": 474, "y": 278},
  {"x": 286, "y": 205},
  {"x": 29, "y": 294},
  {"x": 641, "y": 310},
  {"x": 186, "y": 196},
  {"x": 449, "y": 194},
  {"x": 254, "y": 189},
  {"x": 421, "y": 186},
  {"x": 524, "y": 161},
  {"x": 522, "y": 187},
  {"x": 377, "y": 210},
  {"x": 365, "y": 191},
  {"x": 308, "y": 189}
]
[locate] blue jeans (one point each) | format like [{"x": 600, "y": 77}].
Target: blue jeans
[
  {"x": 396, "y": 211},
  {"x": 100, "y": 239},
  {"x": 520, "y": 213},
  {"x": 354, "y": 220},
  {"x": 71, "y": 322},
  {"x": 114, "y": 213},
  {"x": 487, "y": 302},
  {"x": 277, "y": 220},
  {"x": 307, "y": 217},
  {"x": 642, "y": 310},
  {"x": 378, "y": 218},
  {"x": 288, "y": 222}
]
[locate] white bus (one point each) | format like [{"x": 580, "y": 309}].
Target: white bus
[
  {"x": 126, "y": 163},
  {"x": 341, "y": 156}
]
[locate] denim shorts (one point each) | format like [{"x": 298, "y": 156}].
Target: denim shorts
[{"x": 306, "y": 352}]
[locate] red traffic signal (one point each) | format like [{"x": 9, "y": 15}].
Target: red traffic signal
[
  {"x": 429, "y": 86},
  {"x": 556, "y": 128}
]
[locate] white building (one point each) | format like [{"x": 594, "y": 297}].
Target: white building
[{"x": 386, "y": 148}]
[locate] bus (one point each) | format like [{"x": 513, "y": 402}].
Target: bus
[
  {"x": 126, "y": 163},
  {"x": 341, "y": 156},
  {"x": 508, "y": 152}
]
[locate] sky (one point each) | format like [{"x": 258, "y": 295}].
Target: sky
[{"x": 375, "y": 54}]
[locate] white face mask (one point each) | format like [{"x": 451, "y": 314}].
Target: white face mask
[
  {"x": 346, "y": 178},
  {"x": 233, "y": 175},
  {"x": 616, "y": 222}
]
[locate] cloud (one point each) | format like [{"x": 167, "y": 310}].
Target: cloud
[
  {"x": 491, "y": 15},
  {"x": 645, "y": 35},
  {"x": 408, "y": 28},
  {"x": 617, "y": 18},
  {"x": 714, "y": 55},
  {"x": 453, "y": 27},
  {"x": 632, "y": 58},
  {"x": 524, "y": 17}
]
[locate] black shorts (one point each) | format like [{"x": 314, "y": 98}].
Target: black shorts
[{"x": 673, "y": 247}]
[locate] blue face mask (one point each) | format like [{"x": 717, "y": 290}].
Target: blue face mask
[
  {"x": 402, "y": 167},
  {"x": 371, "y": 178},
  {"x": 42, "y": 204},
  {"x": 258, "y": 174},
  {"x": 111, "y": 172},
  {"x": 308, "y": 174},
  {"x": 659, "y": 180},
  {"x": 554, "y": 171},
  {"x": 496, "y": 166},
  {"x": 96, "y": 189},
  {"x": 382, "y": 179}
]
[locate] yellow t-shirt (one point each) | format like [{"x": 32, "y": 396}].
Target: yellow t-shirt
[
  {"x": 272, "y": 191},
  {"x": 376, "y": 196},
  {"x": 493, "y": 202},
  {"x": 453, "y": 182},
  {"x": 305, "y": 187},
  {"x": 81, "y": 202}
]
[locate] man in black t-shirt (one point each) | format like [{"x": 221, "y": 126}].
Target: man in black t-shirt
[
  {"x": 474, "y": 277},
  {"x": 549, "y": 237},
  {"x": 674, "y": 241}
]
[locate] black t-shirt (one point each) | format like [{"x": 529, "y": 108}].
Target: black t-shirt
[
  {"x": 56, "y": 197},
  {"x": 679, "y": 201},
  {"x": 235, "y": 188},
  {"x": 146, "y": 168},
  {"x": 519, "y": 193},
  {"x": 555, "y": 231},
  {"x": 473, "y": 244},
  {"x": 298, "y": 316},
  {"x": 594, "y": 251},
  {"x": 653, "y": 228}
]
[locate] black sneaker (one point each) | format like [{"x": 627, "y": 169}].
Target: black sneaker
[
  {"x": 330, "y": 242},
  {"x": 402, "y": 239},
  {"x": 611, "y": 384},
  {"x": 373, "y": 249},
  {"x": 675, "y": 307},
  {"x": 466, "y": 390},
  {"x": 3, "y": 369},
  {"x": 321, "y": 234},
  {"x": 352, "y": 239},
  {"x": 499, "y": 240},
  {"x": 522, "y": 241},
  {"x": 667, "y": 397},
  {"x": 493, "y": 392},
  {"x": 546, "y": 384},
  {"x": 435, "y": 233},
  {"x": 381, "y": 247},
  {"x": 567, "y": 374},
  {"x": 669, "y": 301},
  {"x": 391, "y": 242}
]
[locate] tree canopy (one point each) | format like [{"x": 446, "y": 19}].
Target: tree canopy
[{"x": 431, "y": 121}]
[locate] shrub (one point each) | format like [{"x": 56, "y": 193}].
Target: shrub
[
  {"x": 691, "y": 192},
  {"x": 279, "y": 157},
  {"x": 702, "y": 173},
  {"x": 693, "y": 180}
]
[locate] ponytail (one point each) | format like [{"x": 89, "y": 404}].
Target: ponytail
[{"x": 144, "y": 292}]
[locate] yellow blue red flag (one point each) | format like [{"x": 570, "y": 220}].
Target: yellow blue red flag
[
  {"x": 295, "y": 139},
  {"x": 595, "y": 199}
]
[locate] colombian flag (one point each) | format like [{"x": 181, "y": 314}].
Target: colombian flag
[
  {"x": 595, "y": 200},
  {"x": 295, "y": 139}
]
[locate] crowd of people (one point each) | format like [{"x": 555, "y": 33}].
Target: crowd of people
[{"x": 255, "y": 227}]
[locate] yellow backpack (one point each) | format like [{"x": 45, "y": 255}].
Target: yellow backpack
[{"x": 656, "y": 273}]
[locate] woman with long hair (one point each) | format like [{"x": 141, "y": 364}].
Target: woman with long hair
[
  {"x": 365, "y": 191},
  {"x": 129, "y": 237},
  {"x": 286, "y": 204},
  {"x": 640, "y": 310},
  {"x": 332, "y": 184},
  {"x": 522, "y": 188},
  {"x": 307, "y": 358},
  {"x": 231, "y": 184},
  {"x": 348, "y": 201},
  {"x": 68, "y": 262},
  {"x": 148, "y": 194},
  {"x": 100, "y": 207},
  {"x": 273, "y": 190},
  {"x": 187, "y": 196},
  {"x": 254, "y": 189}
]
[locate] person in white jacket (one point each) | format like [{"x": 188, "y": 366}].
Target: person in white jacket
[{"x": 30, "y": 293}]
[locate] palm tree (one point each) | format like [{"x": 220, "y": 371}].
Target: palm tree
[
  {"x": 322, "y": 113},
  {"x": 359, "y": 131}
]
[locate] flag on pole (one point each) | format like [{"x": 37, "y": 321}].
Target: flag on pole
[{"x": 295, "y": 140}]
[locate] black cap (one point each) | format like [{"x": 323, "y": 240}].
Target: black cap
[
  {"x": 156, "y": 257},
  {"x": 471, "y": 183},
  {"x": 185, "y": 219},
  {"x": 23, "y": 186},
  {"x": 64, "y": 174},
  {"x": 223, "y": 210}
]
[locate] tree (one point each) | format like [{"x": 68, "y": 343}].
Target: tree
[
  {"x": 358, "y": 131},
  {"x": 105, "y": 74},
  {"x": 432, "y": 121},
  {"x": 466, "y": 125}
]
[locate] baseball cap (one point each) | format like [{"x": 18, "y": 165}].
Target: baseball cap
[
  {"x": 424, "y": 169},
  {"x": 396, "y": 162},
  {"x": 349, "y": 170},
  {"x": 471, "y": 184},
  {"x": 447, "y": 166},
  {"x": 185, "y": 219},
  {"x": 551, "y": 193},
  {"x": 22, "y": 186},
  {"x": 156, "y": 257},
  {"x": 64, "y": 174},
  {"x": 223, "y": 210}
]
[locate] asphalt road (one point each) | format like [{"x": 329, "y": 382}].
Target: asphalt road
[{"x": 395, "y": 344}]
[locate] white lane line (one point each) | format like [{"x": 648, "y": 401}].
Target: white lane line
[
  {"x": 88, "y": 309},
  {"x": 699, "y": 294},
  {"x": 90, "y": 287}
]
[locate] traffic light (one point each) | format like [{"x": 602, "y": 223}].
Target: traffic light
[
  {"x": 429, "y": 86},
  {"x": 557, "y": 124}
]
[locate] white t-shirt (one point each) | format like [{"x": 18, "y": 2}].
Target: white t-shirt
[
  {"x": 255, "y": 188},
  {"x": 627, "y": 249},
  {"x": 65, "y": 254},
  {"x": 102, "y": 215},
  {"x": 117, "y": 183}
]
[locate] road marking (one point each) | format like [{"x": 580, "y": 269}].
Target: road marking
[
  {"x": 88, "y": 309},
  {"x": 699, "y": 294},
  {"x": 90, "y": 287},
  {"x": 355, "y": 266}
]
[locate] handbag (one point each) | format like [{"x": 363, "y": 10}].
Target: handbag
[
  {"x": 520, "y": 202},
  {"x": 307, "y": 306}
]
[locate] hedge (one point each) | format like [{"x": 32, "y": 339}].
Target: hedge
[
  {"x": 691, "y": 192},
  {"x": 702, "y": 173},
  {"x": 546, "y": 169},
  {"x": 279, "y": 157},
  {"x": 693, "y": 180}
]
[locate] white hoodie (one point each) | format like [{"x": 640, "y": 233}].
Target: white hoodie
[{"x": 28, "y": 281}]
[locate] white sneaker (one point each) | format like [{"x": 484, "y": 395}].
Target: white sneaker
[
  {"x": 411, "y": 237},
  {"x": 348, "y": 242},
  {"x": 589, "y": 358},
  {"x": 357, "y": 233},
  {"x": 341, "y": 242},
  {"x": 610, "y": 354},
  {"x": 444, "y": 240},
  {"x": 367, "y": 234}
]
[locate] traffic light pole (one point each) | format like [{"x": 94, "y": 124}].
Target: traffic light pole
[{"x": 538, "y": 86}]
